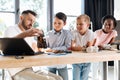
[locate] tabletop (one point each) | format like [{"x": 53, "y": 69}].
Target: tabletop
[{"x": 47, "y": 60}]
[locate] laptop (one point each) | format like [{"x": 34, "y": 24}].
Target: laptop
[{"x": 15, "y": 46}]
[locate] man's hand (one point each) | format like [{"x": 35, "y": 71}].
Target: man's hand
[
  {"x": 54, "y": 51},
  {"x": 33, "y": 32}
]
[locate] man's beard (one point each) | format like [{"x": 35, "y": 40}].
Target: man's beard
[{"x": 24, "y": 26}]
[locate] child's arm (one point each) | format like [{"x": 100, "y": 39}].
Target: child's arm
[
  {"x": 74, "y": 47},
  {"x": 112, "y": 40},
  {"x": 91, "y": 43},
  {"x": 77, "y": 48}
]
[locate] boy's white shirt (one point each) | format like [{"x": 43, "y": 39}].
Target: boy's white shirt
[{"x": 82, "y": 40}]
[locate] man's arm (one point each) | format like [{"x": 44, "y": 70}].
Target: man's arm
[{"x": 29, "y": 33}]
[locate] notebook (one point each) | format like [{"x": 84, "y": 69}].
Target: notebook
[{"x": 15, "y": 46}]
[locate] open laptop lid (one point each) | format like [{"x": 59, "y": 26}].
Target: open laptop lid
[{"x": 15, "y": 46}]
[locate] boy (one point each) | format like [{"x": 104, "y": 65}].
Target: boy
[
  {"x": 82, "y": 38},
  {"x": 59, "y": 39}
]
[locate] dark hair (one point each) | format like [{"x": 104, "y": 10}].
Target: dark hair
[
  {"x": 61, "y": 16},
  {"x": 29, "y": 11},
  {"x": 109, "y": 17}
]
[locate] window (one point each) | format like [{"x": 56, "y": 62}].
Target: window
[
  {"x": 40, "y": 7},
  {"x": 117, "y": 9},
  {"x": 71, "y": 10},
  {"x": 7, "y": 16}
]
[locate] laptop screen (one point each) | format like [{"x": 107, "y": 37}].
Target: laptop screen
[{"x": 15, "y": 46}]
